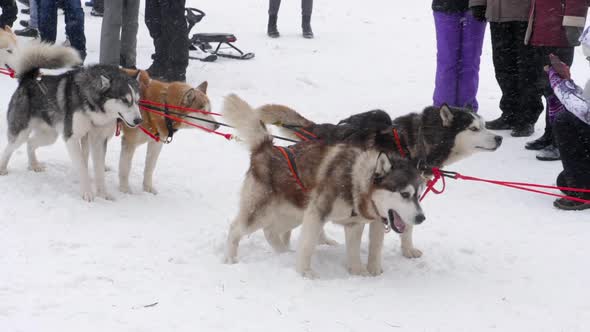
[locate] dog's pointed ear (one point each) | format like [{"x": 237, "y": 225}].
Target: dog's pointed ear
[
  {"x": 203, "y": 87},
  {"x": 446, "y": 115},
  {"x": 188, "y": 98},
  {"x": 383, "y": 165},
  {"x": 105, "y": 83}
]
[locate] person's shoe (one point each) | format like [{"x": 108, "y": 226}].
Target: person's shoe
[
  {"x": 96, "y": 13},
  {"x": 569, "y": 205},
  {"x": 525, "y": 130},
  {"x": 498, "y": 124},
  {"x": 26, "y": 11},
  {"x": 27, "y": 32},
  {"x": 306, "y": 26},
  {"x": 89, "y": 3},
  {"x": 272, "y": 30},
  {"x": 549, "y": 153},
  {"x": 24, "y": 23},
  {"x": 539, "y": 143},
  {"x": 175, "y": 76},
  {"x": 156, "y": 72}
]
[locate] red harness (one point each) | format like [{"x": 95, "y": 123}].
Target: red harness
[
  {"x": 290, "y": 158},
  {"x": 398, "y": 143}
]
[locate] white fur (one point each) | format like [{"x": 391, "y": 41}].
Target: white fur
[
  {"x": 249, "y": 127},
  {"x": 470, "y": 141},
  {"x": 36, "y": 54}
]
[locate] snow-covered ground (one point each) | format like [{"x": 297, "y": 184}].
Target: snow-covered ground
[{"x": 494, "y": 259}]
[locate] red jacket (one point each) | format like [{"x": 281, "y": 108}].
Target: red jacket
[{"x": 548, "y": 19}]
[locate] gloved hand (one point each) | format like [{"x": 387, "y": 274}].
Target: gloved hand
[
  {"x": 560, "y": 68},
  {"x": 573, "y": 35},
  {"x": 479, "y": 13}
]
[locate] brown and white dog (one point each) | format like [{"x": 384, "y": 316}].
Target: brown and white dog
[
  {"x": 315, "y": 182},
  {"x": 177, "y": 94}
]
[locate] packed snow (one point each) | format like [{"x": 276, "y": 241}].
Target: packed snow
[{"x": 494, "y": 258}]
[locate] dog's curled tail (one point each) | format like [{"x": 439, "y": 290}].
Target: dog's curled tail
[
  {"x": 36, "y": 55},
  {"x": 246, "y": 121},
  {"x": 275, "y": 114}
]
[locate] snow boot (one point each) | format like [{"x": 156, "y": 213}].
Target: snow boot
[
  {"x": 306, "y": 26},
  {"x": 272, "y": 30},
  {"x": 549, "y": 153}
]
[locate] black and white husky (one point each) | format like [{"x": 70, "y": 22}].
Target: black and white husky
[{"x": 82, "y": 104}]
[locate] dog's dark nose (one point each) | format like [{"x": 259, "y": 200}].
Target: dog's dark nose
[
  {"x": 419, "y": 219},
  {"x": 137, "y": 121},
  {"x": 498, "y": 140}
]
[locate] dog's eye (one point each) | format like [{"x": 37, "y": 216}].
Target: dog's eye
[
  {"x": 474, "y": 129},
  {"x": 406, "y": 195}
]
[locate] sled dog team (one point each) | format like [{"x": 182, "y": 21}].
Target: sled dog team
[{"x": 367, "y": 169}]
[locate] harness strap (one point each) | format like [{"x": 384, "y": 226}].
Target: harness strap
[
  {"x": 398, "y": 143},
  {"x": 288, "y": 154},
  {"x": 169, "y": 125},
  {"x": 304, "y": 134}
]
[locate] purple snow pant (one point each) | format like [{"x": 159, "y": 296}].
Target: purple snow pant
[{"x": 459, "y": 40}]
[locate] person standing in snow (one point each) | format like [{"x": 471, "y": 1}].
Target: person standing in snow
[
  {"x": 460, "y": 28},
  {"x": 74, "y": 16},
  {"x": 516, "y": 70},
  {"x": 554, "y": 28},
  {"x": 118, "y": 36},
  {"x": 9, "y": 12},
  {"x": 32, "y": 29},
  {"x": 571, "y": 129},
  {"x": 273, "y": 12},
  {"x": 167, "y": 25}
]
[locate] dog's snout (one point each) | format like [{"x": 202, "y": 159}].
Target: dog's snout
[
  {"x": 419, "y": 219},
  {"x": 137, "y": 121},
  {"x": 498, "y": 139}
]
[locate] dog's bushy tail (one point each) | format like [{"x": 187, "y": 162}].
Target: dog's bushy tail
[
  {"x": 246, "y": 121},
  {"x": 282, "y": 115},
  {"x": 35, "y": 55}
]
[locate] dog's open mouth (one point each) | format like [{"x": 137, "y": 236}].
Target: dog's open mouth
[
  {"x": 130, "y": 125},
  {"x": 394, "y": 221}
]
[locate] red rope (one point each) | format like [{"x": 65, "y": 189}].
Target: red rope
[
  {"x": 190, "y": 110},
  {"x": 147, "y": 132},
  {"x": 291, "y": 168},
  {"x": 226, "y": 136},
  {"x": 398, "y": 142},
  {"x": 7, "y": 72},
  {"x": 438, "y": 174}
]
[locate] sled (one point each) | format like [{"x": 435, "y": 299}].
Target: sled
[{"x": 209, "y": 46}]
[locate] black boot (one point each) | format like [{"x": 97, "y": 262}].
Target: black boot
[
  {"x": 272, "y": 30},
  {"x": 306, "y": 26},
  {"x": 499, "y": 124},
  {"x": 27, "y": 32},
  {"x": 540, "y": 143}
]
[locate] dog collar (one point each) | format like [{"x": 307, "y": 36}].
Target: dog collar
[{"x": 398, "y": 143}]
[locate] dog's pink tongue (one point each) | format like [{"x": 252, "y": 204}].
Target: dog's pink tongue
[{"x": 399, "y": 224}]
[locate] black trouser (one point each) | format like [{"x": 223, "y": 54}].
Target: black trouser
[
  {"x": 98, "y": 5},
  {"x": 566, "y": 54},
  {"x": 306, "y": 7},
  {"x": 516, "y": 73},
  {"x": 573, "y": 140},
  {"x": 167, "y": 25}
]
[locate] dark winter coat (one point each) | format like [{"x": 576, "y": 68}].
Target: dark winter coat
[
  {"x": 506, "y": 10},
  {"x": 549, "y": 18},
  {"x": 9, "y": 12},
  {"x": 453, "y": 6}
]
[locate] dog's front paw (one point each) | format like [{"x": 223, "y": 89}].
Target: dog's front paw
[
  {"x": 374, "y": 269},
  {"x": 411, "y": 252},
  {"x": 88, "y": 196},
  {"x": 107, "y": 196},
  {"x": 329, "y": 242},
  {"x": 3, "y": 172},
  {"x": 37, "y": 168},
  {"x": 148, "y": 188},
  {"x": 230, "y": 260},
  {"x": 358, "y": 270}
]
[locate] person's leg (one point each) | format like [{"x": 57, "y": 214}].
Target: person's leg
[
  {"x": 153, "y": 21},
  {"x": 273, "y": 12},
  {"x": 98, "y": 5},
  {"x": 176, "y": 36},
  {"x": 448, "y": 39},
  {"x": 530, "y": 103},
  {"x": 110, "y": 40},
  {"x": 47, "y": 21},
  {"x": 74, "y": 15},
  {"x": 34, "y": 15},
  {"x": 504, "y": 57},
  {"x": 472, "y": 44},
  {"x": 129, "y": 33},
  {"x": 306, "y": 9}
]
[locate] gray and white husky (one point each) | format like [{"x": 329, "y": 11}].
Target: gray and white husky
[
  {"x": 341, "y": 182},
  {"x": 82, "y": 104}
]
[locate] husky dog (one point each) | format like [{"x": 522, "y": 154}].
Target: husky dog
[
  {"x": 339, "y": 182},
  {"x": 175, "y": 93},
  {"x": 436, "y": 137},
  {"x": 83, "y": 104}
]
